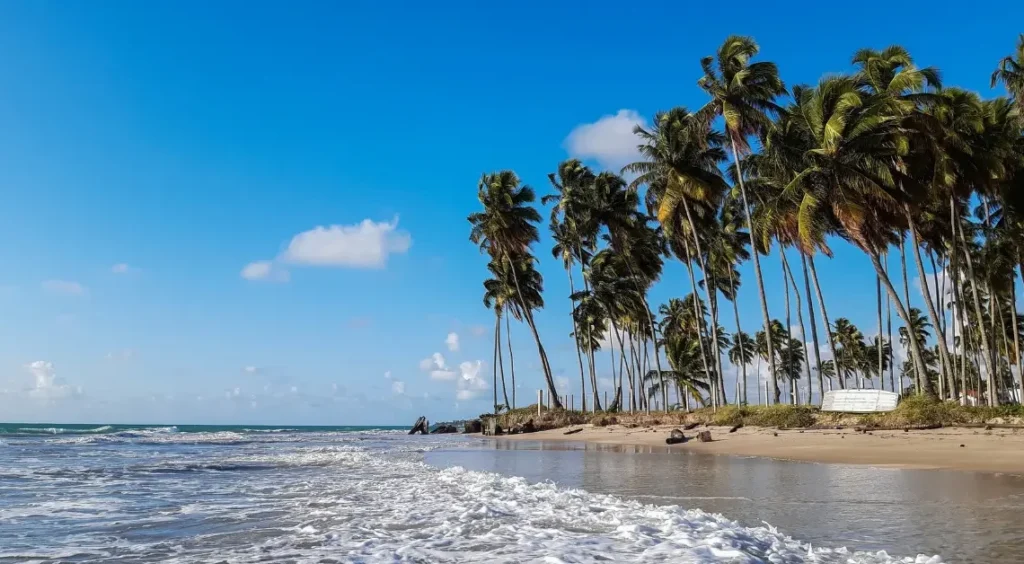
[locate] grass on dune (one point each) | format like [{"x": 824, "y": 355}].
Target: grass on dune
[{"x": 913, "y": 411}]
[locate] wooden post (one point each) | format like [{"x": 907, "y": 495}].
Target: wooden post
[
  {"x": 540, "y": 401},
  {"x": 571, "y": 405},
  {"x": 606, "y": 400}
]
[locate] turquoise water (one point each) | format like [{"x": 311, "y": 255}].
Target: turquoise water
[
  {"x": 92, "y": 428},
  {"x": 205, "y": 494}
]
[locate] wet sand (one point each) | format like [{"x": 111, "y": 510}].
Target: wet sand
[
  {"x": 969, "y": 517},
  {"x": 997, "y": 450}
]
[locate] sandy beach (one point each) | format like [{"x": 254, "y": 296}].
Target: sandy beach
[{"x": 967, "y": 449}]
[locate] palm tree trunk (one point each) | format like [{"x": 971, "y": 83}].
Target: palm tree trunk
[
  {"x": 906, "y": 294},
  {"x": 888, "y": 330},
  {"x": 757, "y": 270},
  {"x": 501, "y": 365},
  {"x": 511, "y": 358},
  {"x": 708, "y": 290},
  {"x": 576, "y": 338},
  {"x": 494, "y": 364},
  {"x": 618, "y": 393},
  {"x": 828, "y": 327},
  {"x": 699, "y": 316},
  {"x": 958, "y": 318},
  {"x": 789, "y": 321},
  {"x": 814, "y": 329},
  {"x": 990, "y": 377},
  {"x": 1006, "y": 347},
  {"x": 800, "y": 320},
  {"x": 528, "y": 314},
  {"x": 718, "y": 349},
  {"x": 880, "y": 342},
  {"x": 926, "y": 292},
  {"x": 622, "y": 360},
  {"x": 736, "y": 311},
  {"x": 592, "y": 362},
  {"x": 654, "y": 337},
  {"x": 915, "y": 347},
  {"x": 1016, "y": 339}
]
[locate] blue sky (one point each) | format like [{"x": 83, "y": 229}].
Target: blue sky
[{"x": 151, "y": 153}]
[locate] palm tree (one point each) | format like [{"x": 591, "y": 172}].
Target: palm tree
[
  {"x": 891, "y": 77},
  {"x": 499, "y": 295},
  {"x": 743, "y": 94},
  {"x": 1010, "y": 73},
  {"x": 850, "y": 350},
  {"x": 506, "y": 228},
  {"x": 741, "y": 353},
  {"x": 680, "y": 169},
  {"x": 565, "y": 241},
  {"x": 847, "y": 176},
  {"x": 575, "y": 233}
]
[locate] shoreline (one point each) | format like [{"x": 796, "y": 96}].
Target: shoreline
[{"x": 994, "y": 451}]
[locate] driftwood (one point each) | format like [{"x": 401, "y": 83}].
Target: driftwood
[
  {"x": 573, "y": 431},
  {"x": 735, "y": 428},
  {"x": 676, "y": 437},
  {"x": 691, "y": 426},
  {"x": 903, "y": 428},
  {"x": 420, "y": 426}
]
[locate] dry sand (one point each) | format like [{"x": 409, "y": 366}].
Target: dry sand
[{"x": 998, "y": 450}]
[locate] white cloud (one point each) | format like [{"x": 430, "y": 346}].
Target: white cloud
[
  {"x": 478, "y": 330},
  {"x": 398, "y": 387},
  {"x": 452, "y": 341},
  {"x": 387, "y": 375},
  {"x": 367, "y": 244},
  {"x": 295, "y": 389},
  {"x": 122, "y": 268},
  {"x": 438, "y": 368},
  {"x": 251, "y": 369},
  {"x": 64, "y": 287},
  {"x": 230, "y": 394},
  {"x": 265, "y": 270},
  {"x": 47, "y": 386},
  {"x": 609, "y": 140},
  {"x": 469, "y": 384}
]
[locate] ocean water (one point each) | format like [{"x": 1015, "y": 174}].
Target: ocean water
[{"x": 343, "y": 494}]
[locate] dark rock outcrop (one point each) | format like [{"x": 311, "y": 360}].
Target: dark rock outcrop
[
  {"x": 474, "y": 426},
  {"x": 676, "y": 437},
  {"x": 704, "y": 436},
  {"x": 444, "y": 430},
  {"x": 420, "y": 426}
]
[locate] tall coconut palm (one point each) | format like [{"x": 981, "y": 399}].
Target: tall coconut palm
[
  {"x": 743, "y": 94},
  {"x": 891, "y": 77},
  {"x": 506, "y": 228},
  {"x": 680, "y": 167},
  {"x": 847, "y": 176},
  {"x": 741, "y": 353},
  {"x": 575, "y": 234},
  {"x": 1010, "y": 73}
]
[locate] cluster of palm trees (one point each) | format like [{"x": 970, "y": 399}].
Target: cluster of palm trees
[{"x": 885, "y": 158}]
